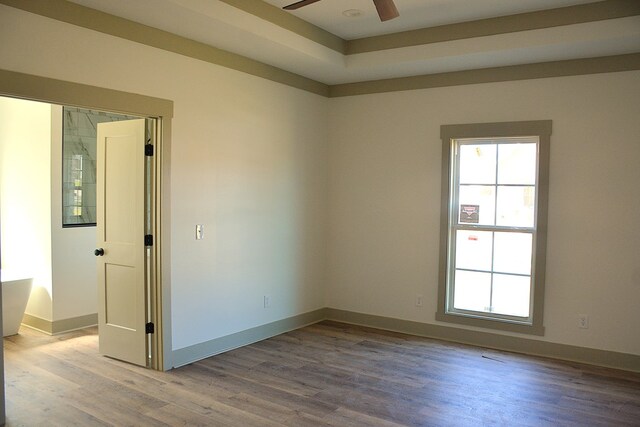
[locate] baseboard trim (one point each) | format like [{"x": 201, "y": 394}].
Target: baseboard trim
[
  {"x": 524, "y": 345},
  {"x": 37, "y": 323},
  {"x": 187, "y": 355},
  {"x": 534, "y": 347},
  {"x": 59, "y": 326}
]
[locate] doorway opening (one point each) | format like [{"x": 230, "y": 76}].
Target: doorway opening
[
  {"x": 48, "y": 215},
  {"x": 30, "y": 87},
  {"x": 26, "y": 86}
]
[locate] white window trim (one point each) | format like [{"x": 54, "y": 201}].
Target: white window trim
[{"x": 449, "y": 133}]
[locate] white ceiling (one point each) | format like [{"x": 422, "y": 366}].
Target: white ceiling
[
  {"x": 414, "y": 14},
  {"x": 223, "y": 26}
]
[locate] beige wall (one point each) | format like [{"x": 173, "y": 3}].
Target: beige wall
[
  {"x": 248, "y": 161},
  {"x": 25, "y": 198},
  {"x": 34, "y": 244},
  {"x": 75, "y": 286},
  {"x": 385, "y": 190}
]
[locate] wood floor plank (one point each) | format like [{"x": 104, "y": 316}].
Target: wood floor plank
[
  {"x": 262, "y": 407},
  {"x": 175, "y": 415},
  {"x": 266, "y": 373},
  {"x": 239, "y": 384},
  {"x": 112, "y": 409},
  {"x": 345, "y": 418},
  {"x": 327, "y": 374}
]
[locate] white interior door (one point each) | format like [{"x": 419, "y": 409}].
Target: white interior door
[{"x": 120, "y": 246}]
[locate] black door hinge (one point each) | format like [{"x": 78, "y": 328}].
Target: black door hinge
[
  {"x": 148, "y": 150},
  {"x": 148, "y": 240},
  {"x": 149, "y": 328}
]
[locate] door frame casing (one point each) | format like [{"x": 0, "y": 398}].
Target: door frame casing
[{"x": 42, "y": 89}]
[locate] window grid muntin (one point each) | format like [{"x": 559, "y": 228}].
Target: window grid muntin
[{"x": 455, "y": 225}]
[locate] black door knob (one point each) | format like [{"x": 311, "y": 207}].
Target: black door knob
[{"x": 98, "y": 252}]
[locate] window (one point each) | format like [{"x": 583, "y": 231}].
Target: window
[
  {"x": 79, "y": 137},
  {"x": 493, "y": 225}
]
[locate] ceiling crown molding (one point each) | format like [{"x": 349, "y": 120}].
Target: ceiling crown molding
[
  {"x": 579, "y": 14},
  {"x": 290, "y": 22},
  {"x": 72, "y": 13},
  {"x": 572, "y": 67},
  {"x": 103, "y": 22}
]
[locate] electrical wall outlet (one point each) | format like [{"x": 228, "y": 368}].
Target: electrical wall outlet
[
  {"x": 583, "y": 321},
  {"x": 267, "y": 301},
  {"x": 419, "y": 301}
]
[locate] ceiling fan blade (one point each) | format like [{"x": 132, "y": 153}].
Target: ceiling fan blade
[
  {"x": 299, "y": 4},
  {"x": 386, "y": 9}
]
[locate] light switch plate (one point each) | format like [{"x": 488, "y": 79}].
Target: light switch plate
[{"x": 199, "y": 231}]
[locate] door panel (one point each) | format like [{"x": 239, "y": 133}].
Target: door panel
[
  {"x": 120, "y": 296},
  {"x": 120, "y": 232},
  {"x": 119, "y": 193}
]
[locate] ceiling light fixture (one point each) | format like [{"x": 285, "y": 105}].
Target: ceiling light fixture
[{"x": 353, "y": 13}]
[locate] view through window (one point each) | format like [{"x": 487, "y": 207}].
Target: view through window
[{"x": 492, "y": 235}]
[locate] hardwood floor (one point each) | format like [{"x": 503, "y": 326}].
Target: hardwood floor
[{"x": 325, "y": 374}]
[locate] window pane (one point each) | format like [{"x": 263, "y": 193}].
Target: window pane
[
  {"x": 517, "y": 164},
  {"x": 472, "y": 290},
  {"x": 512, "y": 253},
  {"x": 516, "y": 206},
  {"x": 473, "y": 250},
  {"x": 71, "y": 214},
  {"x": 511, "y": 295},
  {"x": 483, "y": 197},
  {"x": 478, "y": 164}
]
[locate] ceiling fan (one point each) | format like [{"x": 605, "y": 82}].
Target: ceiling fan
[{"x": 386, "y": 8}]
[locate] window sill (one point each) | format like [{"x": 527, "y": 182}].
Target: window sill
[{"x": 490, "y": 324}]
